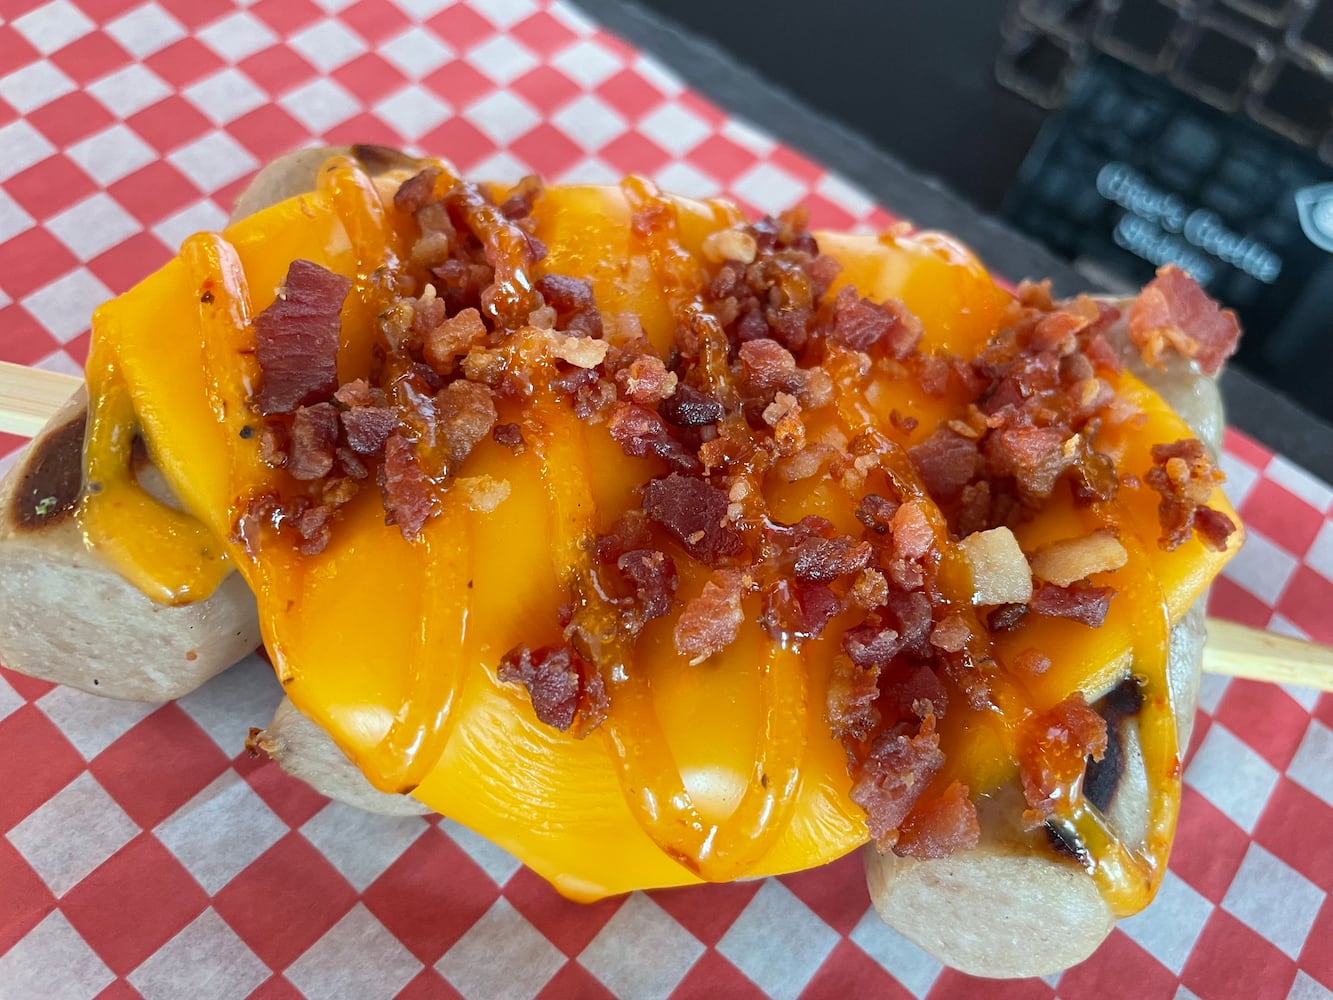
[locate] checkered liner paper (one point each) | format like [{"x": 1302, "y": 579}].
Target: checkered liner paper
[{"x": 144, "y": 854}]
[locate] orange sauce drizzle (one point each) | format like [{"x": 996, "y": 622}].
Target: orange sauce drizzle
[
  {"x": 652, "y": 783},
  {"x": 437, "y": 669}
]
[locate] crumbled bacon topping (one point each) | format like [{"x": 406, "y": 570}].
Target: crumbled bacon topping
[
  {"x": 1080, "y": 601},
  {"x": 688, "y": 407},
  {"x": 296, "y": 339},
  {"x": 565, "y": 689},
  {"x": 1054, "y": 749},
  {"x": 641, "y": 432},
  {"x": 1174, "y": 313},
  {"x": 1185, "y": 477},
  {"x": 862, "y": 324},
  {"x": 314, "y": 436},
  {"x": 940, "y": 826},
  {"x": 694, "y": 513},
  {"x": 408, "y": 498},
  {"x": 947, "y": 461},
  {"x": 639, "y": 579},
  {"x": 764, "y": 366},
  {"x": 708, "y": 623},
  {"x": 892, "y": 777}
]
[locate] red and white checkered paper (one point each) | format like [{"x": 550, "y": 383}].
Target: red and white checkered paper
[{"x": 145, "y": 855}]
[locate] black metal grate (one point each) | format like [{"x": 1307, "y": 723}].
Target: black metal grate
[{"x": 1269, "y": 60}]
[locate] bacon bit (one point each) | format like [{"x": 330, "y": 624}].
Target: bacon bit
[
  {"x": 466, "y": 414},
  {"x": 769, "y": 367},
  {"x": 975, "y": 510},
  {"x": 904, "y": 424},
  {"x": 521, "y": 197},
  {"x": 688, "y": 407},
  {"x": 913, "y": 692},
  {"x": 310, "y": 523},
  {"x": 572, "y": 299},
  {"x": 651, "y": 576},
  {"x": 408, "y": 497},
  {"x": 1054, "y": 748},
  {"x": 861, "y": 324},
  {"x": 913, "y": 614},
  {"x": 337, "y": 492},
  {"x": 443, "y": 344},
  {"x": 1095, "y": 476},
  {"x": 368, "y": 428},
  {"x": 872, "y": 643},
  {"x": 461, "y": 283},
  {"x": 893, "y": 776},
  {"x": 564, "y": 687},
  {"x": 641, "y": 579},
  {"x": 869, "y": 590},
  {"x": 818, "y": 606},
  {"x": 510, "y": 436},
  {"x": 581, "y": 352},
  {"x": 416, "y": 192},
  {"x": 710, "y": 622},
  {"x": 947, "y": 461},
  {"x": 934, "y": 375},
  {"x": 567, "y": 295},
  {"x": 825, "y": 559},
  {"x": 314, "y": 529},
  {"x": 913, "y": 536},
  {"x": 784, "y": 416},
  {"x": 693, "y": 512},
  {"x": 1103, "y": 356},
  {"x": 273, "y": 444},
  {"x": 1058, "y": 332},
  {"x": 427, "y": 312},
  {"x": 590, "y": 392},
  {"x": 1032, "y": 662},
  {"x": 628, "y": 532},
  {"x": 951, "y": 635},
  {"x": 544, "y": 318},
  {"x": 646, "y": 380},
  {"x": 808, "y": 461},
  {"x": 296, "y": 339},
  {"x": 1185, "y": 477},
  {"x": 823, "y": 270},
  {"x": 876, "y": 512},
  {"x": 1069, "y": 559},
  {"x": 799, "y": 607},
  {"x": 1081, "y": 602},
  {"x": 259, "y": 514},
  {"x": 314, "y": 436},
  {"x": 1034, "y": 456},
  {"x": 850, "y": 710},
  {"x": 1006, "y": 617},
  {"x": 641, "y": 432},
  {"x": 367, "y": 421},
  {"x": 939, "y": 827},
  {"x": 1173, "y": 312},
  {"x": 1036, "y": 294},
  {"x": 1213, "y": 528}
]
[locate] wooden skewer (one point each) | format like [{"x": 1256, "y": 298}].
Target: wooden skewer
[
  {"x": 1241, "y": 651},
  {"x": 28, "y": 397}
]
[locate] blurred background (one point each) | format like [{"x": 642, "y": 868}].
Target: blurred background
[{"x": 1120, "y": 134}]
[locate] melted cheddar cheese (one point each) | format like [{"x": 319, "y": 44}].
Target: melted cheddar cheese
[{"x": 715, "y": 771}]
